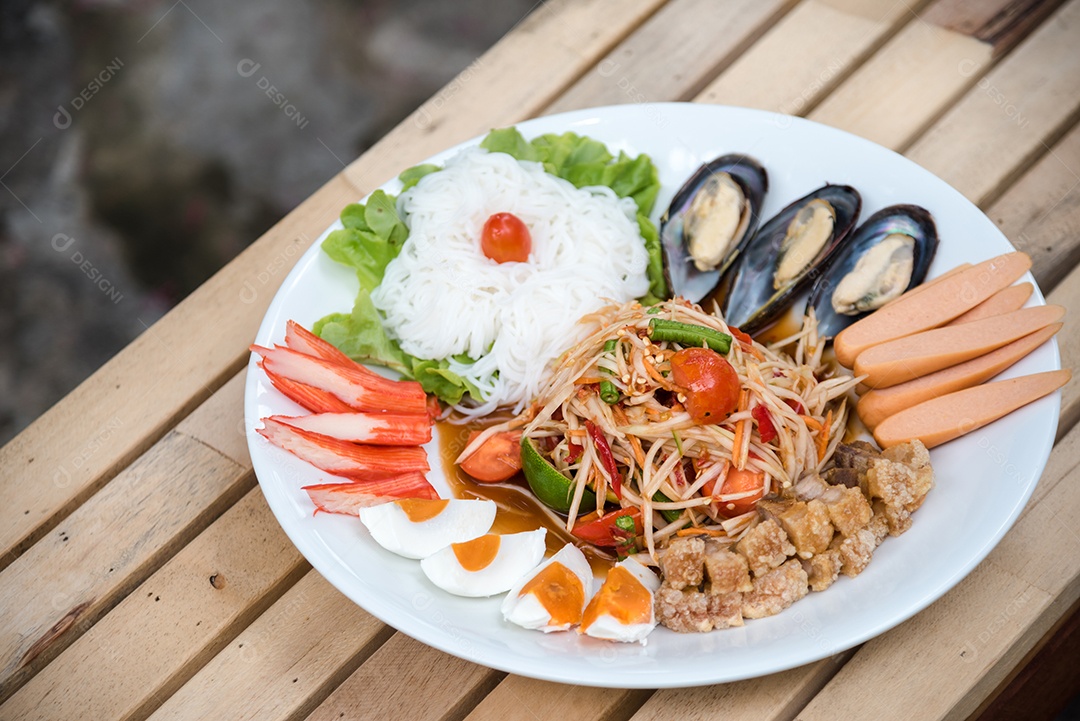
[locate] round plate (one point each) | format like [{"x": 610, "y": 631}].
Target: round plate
[{"x": 983, "y": 479}]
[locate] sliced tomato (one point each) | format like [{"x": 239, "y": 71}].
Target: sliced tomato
[
  {"x": 497, "y": 460},
  {"x": 766, "y": 429},
  {"x": 743, "y": 338},
  {"x": 795, "y": 406},
  {"x": 506, "y": 238},
  {"x": 709, "y": 383},
  {"x": 737, "y": 481},
  {"x": 605, "y": 532}
]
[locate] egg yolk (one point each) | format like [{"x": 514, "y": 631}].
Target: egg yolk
[
  {"x": 419, "y": 510},
  {"x": 477, "y": 554},
  {"x": 622, "y": 597},
  {"x": 559, "y": 591}
]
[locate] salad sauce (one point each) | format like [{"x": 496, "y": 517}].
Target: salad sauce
[{"x": 518, "y": 511}]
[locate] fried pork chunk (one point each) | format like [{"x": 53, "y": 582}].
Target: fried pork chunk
[
  {"x": 851, "y": 512},
  {"x": 765, "y": 547},
  {"x": 824, "y": 568},
  {"x": 703, "y": 585},
  {"x": 901, "y": 478},
  {"x": 775, "y": 590},
  {"x": 808, "y": 526}
]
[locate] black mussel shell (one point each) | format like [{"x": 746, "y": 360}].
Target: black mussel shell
[
  {"x": 748, "y": 296},
  {"x": 906, "y": 220},
  {"x": 683, "y": 276}
]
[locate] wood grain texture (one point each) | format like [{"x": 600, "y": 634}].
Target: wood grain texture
[
  {"x": 526, "y": 699},
  {"x": 155, "y": 639},
  {"x": 1005, "y": 122},
  {"x": 108, "y": 546},
  {"x": 405, "y": 679},
  {"x": 777, "y": 696},
  {"x": 1040, "y": 214},
  {"x": 286, "y": 662},
  {"x": 133, "y": 400},
  {"x": 789, "y": 69},
  {"x": 969, "y": 640},
  {"x": 675, "y": 54},
  {"x": 514, "y": 80},
  {"x": 1067, "y": 294},
  {"x": 924, "y": 61},
  {"x": 999, "y": 23}
]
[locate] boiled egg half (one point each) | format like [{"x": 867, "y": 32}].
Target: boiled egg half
[
  {"x": 553, "y": 596},
  {"x": 417, "y": 527},
  {"x": 622, "y": 610},
  {"x": 486, "y": 565}
]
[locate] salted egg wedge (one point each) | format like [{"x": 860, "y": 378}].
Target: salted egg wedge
[
  {"x": 486, "y": 565},
  {"x": 622, "y": 610},
  {"x": 417, "y": 527},
  {"x": 553, "y": 596}
]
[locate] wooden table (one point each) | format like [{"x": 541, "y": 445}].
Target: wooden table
[{"x": 143, "y": 575}]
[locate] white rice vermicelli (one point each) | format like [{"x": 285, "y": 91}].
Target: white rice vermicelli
[{"x": 443, "y": 297}]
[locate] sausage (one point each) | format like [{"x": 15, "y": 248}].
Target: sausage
[
  {"x": 930, "y": 307},
  {"x": 907, "y": 358},
  {"x": 877, "y": 405},
  {"x": 952, "y": 415},
  {"x": 1004, "y": 301}
]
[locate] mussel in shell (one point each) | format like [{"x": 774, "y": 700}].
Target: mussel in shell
[
  {"x": 785, "y": 256},
  {"x": 709, "y": 221},
  {"x": 886, "y": 256}
]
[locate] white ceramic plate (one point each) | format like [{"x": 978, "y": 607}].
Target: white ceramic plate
[{"x": 983, "y": 479}]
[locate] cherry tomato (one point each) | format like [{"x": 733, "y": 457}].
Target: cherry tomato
[
  {"x": 737, "y": 481},
  {"x": 497, "y": 460},
  {"x": 710, "y": 384},
  {"x": 506, "y": 238},
  {"x": 605, "y": 533}
]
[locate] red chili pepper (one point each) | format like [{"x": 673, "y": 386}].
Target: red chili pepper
[
  {"x": 573, "y": 452},
  {"x": 604, "y": 451},
  {"x": 740, "y": 336},
  {"x": 795, "y": 406},
  {"x": 605, "y": 532},
  {"x": 765, "y": 426}
]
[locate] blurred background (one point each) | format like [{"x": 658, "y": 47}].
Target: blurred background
[{"x": 145, "y": 143}]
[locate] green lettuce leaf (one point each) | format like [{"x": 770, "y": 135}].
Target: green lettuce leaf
[{"x": 412, "y": 176}]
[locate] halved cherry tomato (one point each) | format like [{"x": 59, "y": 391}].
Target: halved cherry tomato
[
  {"x": 497, "y": 460},
  {"x": 605, "y": 533},
  {"x": 710, "y": 384},
  {"x": 737, "y": 481},
  {"x": 506, "y": 238}
]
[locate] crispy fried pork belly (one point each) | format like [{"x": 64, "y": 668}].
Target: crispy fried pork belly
[
  {"x": 808, "y": 526},
  {"x": 856, "y": 551},
  {"x": 851, "y": 512},
  {"x": 901, "y": 478},
  {"x": 775, "y": 590},
  {"x": 765, "y": 547},
  {"x": 691, "y": 611},
  {"x": 727, "y": 572},
  {"x": 824, "y": 568},
  {"x": 683, "y": 563}
]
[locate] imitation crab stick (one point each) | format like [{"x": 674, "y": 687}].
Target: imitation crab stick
[
  {"x": 930, "y": 307},
  {"x": 1004, "y": 301},
  {"x": 343, "y": 458},
  {"x": 877, "y": 405},
  {"x": 952, "y": 415},
  {"x": 351, "y": 497},
  {"x": 380, "y": 429},
  {"x": 359, "y": 387},
  {"x": 907, "y": 358},
  {"x": 300, "y": 339},
  {"x": 314, "y": 399}
]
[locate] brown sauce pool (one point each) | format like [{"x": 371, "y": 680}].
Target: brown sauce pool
[{"x": 518, "y": 510}]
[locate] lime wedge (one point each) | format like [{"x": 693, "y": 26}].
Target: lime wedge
[{"x": 552, "y": 488}]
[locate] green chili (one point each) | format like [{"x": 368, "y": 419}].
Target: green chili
[
  {"x": 688, "y": 334},
  {"x": 609, "y": 346},
  {"x": 609, "y": 393}
]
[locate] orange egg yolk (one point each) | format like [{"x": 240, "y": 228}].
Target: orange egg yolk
[
  {"x": 419, "y": 510},
  {"x": 559, "y": 591},
  {"x": 477, "y": 554},
  {"x": 622, "y": 597}
]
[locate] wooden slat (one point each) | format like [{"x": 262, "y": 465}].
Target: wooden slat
[
  {"x": 168, "y": 627},
  {"x": 1005, "y": 122},
  {"x": 405, "y": 679},
  {"x": 958, "y": 650},
  {"x": 286, "y": 662},
  {"x": 1067, "y": 294},
  {"x": 790, "y": 69},
  {"x": 674, "y": 54},
  {"x": 1040, "y": 214},
  {"x": 83, "y": 441},
  {"x": 777, "y": 696},
  {"x": 515, "y": 79},
  {"x": 929, "y": 60},
  {"x": 528, "y": 699},
  {"x": 108, "y": 545}
]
